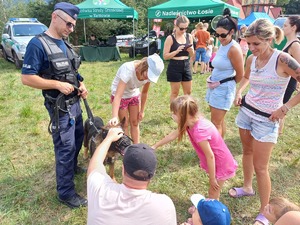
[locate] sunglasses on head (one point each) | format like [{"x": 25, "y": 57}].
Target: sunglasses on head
[
  {"x": 69, "y": 24},
  {"x": 183, "y": 28},
  {"x": 223, "y": 35}
]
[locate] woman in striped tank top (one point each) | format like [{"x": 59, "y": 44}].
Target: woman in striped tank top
[
  {"x": 267, "y": 72},
  {"x": 291, "y": 28}
]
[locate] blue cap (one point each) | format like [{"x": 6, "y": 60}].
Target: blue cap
[
  {"x": 211, "y": 211},
  {"x": 70, "y": 9}
]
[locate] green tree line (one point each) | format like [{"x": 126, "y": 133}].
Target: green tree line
[{"x": 102, "y": 28}]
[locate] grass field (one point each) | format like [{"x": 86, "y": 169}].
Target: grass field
[{"x": 27, "y": 177}]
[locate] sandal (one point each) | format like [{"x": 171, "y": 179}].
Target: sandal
[
  {"x": 262, "y": 219},
  {"x": 240, "y": 193}
]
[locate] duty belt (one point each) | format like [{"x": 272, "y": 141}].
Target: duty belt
[
  {"x": 72, "y": 100},
  {"x": 60, "y": 105}
]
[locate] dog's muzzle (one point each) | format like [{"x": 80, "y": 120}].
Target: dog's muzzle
[{"x": 119, "y": 145}]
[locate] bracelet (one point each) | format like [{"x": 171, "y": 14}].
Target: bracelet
[{"x": 286, "y": 107}]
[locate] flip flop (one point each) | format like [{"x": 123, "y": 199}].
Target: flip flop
[
  {"x": 262, "y": 219},
  {"x": 240, "y": 193}
]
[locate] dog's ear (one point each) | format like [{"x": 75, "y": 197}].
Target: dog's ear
[
  {"x": 122, "y": 123},
  {"x": 104, "y": 132}
]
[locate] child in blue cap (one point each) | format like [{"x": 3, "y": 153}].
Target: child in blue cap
[{"x": 208, "y": 212}]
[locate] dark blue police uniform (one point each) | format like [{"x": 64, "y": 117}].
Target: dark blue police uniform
[{"x": 67, "y": 131}]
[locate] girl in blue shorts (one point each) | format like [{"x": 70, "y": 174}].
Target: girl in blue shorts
[
  {"x": 228, "y": 70},
  {"x": 268, "y": 72}
]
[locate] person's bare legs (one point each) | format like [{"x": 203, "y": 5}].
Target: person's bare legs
[
  {"x": 215, "y": 194},
  {"x": 192, "y": 60},
  {"x": 247, "y": 161},
  {"x": 261, "y": 156},
  {"x": 187, "y": 87},
  {"x": 217, "y": 118},
  {"x": 196, "y": 66},
  {"x": 175, "y": 86},
  {"x": 134, "y": 123},
  {"x": 202, "y": 67}
]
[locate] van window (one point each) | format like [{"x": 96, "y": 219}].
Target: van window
[{"x": 28, "y": 30}]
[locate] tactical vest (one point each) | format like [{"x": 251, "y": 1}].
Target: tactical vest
[{"x": 61, "y": 67}]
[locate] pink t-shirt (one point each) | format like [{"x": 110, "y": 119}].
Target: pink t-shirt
[
  {"x": 212, "y": 56},
  {"x": 204, "y": 130},
  {"x": 244, "y": 46}
]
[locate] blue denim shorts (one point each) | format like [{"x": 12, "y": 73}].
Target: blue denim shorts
[
  {"x": 222, "y": 96},
  {"x": 261, "y": 128},
  {"x": 200, "y": 54}
]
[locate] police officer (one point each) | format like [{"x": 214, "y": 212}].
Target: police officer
[{"x": 51, "y": 64}]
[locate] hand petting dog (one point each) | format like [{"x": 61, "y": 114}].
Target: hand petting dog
[{"x": 98, "y": 157}]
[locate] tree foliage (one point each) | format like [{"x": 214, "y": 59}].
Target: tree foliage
[
  {"x": 293, "y": 7},
  {"x": 11, "y": 8},
  {"x": 282, "y": 2},
  {"x": 102, "y": 28}
]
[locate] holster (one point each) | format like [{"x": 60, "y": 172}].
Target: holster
[{"x": 61, "y": 106}]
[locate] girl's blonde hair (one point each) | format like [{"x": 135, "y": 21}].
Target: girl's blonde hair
[
  {"x": 184, "y": 106},
  {"x": 281, "y": 206},
  {"x": 264, "y": 29},
  {"x": 143, "y": 65}
]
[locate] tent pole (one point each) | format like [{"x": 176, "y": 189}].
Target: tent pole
[
  {"x": 84, "y": 31},
  {"x": 133, "y": 26},
  {"x": 133, "y": 35},
  {"x": 148, "y": 35}
]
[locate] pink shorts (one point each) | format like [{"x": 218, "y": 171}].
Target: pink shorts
[{"x": 125, "y": 102}]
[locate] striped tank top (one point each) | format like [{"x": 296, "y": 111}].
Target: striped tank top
[{"x": 266, "y": 86}]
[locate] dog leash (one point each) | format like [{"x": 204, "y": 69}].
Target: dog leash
[
  {"x": 90, "y": 114},
  {"x": 88, "y": 111}
]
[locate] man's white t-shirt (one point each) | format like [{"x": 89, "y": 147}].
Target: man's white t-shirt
[
  {"x": 127, "y": 74},
  {"x": 110, "y": 203}
]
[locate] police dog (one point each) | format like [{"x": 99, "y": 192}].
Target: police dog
[{"x": 94, "y": 134}]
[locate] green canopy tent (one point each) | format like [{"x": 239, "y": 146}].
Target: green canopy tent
[
  {"x": 106, "y": 9},
  {"x": 191, "y": 9}
]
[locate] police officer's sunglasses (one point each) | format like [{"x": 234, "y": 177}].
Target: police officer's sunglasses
[{"x": 69, "y": 24}]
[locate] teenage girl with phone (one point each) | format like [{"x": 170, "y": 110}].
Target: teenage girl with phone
[{"x": 178, "y": 47}]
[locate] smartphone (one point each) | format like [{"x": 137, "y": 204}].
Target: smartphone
[{"x": 186, "y": 47}]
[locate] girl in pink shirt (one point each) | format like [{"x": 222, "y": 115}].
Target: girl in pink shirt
[{"x": 215, "y": 157}]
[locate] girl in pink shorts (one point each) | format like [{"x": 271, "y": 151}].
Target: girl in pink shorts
[{"x": 127, "y": 101}]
